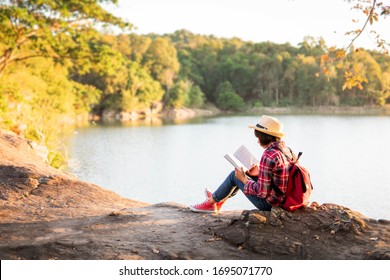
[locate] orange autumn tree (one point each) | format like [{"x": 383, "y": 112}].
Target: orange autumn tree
[{"x": 374, "y": 11}]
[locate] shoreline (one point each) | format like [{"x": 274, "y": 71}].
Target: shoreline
[
  {"x": 326, "y": 110},
  {"x": 184, "y": 114}
]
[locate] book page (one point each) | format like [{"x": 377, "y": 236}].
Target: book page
[
  {"x": 234, "y": 161},
  {"x": 245, "y": 157}
]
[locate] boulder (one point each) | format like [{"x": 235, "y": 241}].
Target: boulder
[{"x": 327, "y": 231}]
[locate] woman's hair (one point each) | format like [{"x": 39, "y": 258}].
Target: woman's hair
[{"x": 265, "y": 139}]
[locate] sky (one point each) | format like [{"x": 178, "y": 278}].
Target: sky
[{"x": 278, "y": 21}]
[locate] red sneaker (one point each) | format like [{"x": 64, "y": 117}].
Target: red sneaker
[
  {"x": 209, "y": 194},
  {"x": 205, "y": 206}
]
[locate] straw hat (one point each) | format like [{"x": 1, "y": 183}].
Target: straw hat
[{"x": 269, "y": 125}]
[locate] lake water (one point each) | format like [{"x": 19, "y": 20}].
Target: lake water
[{"x": 347, "y": 156}]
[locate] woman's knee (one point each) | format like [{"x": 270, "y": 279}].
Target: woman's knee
[
  {"x": 232, "y": 174},
  {"x": 233, "y": 178}
]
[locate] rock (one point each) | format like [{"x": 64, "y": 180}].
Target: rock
[
  {"x": 236, "y": 234},
  {"x": 326, "y": 232},
  {"x": 378, "y": 254},
  {"x": 256, "y": 218},
  {"x": 168, "y": 255},
  {"x": 40, "y": 150},
  {"x": 274, "y": 220}
]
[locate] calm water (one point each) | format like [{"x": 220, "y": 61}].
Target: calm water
[{"x": 348, "y": 158}]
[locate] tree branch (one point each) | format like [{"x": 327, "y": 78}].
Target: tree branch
[{"x": 364, "y": 26}]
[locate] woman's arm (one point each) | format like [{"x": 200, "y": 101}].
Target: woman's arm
[{"x": 263, "y": 186}]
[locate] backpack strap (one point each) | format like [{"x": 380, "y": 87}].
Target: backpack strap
[
  {"x": 299, "y": 155},
  {"x": 294, "y": 158}
]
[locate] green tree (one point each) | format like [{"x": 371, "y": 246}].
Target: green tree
[
  {"x": 35, "y": 28},
  {"x": 196, "y": 97},
  {"x": 206, "y": 61},
  {"x": 372, "y": 91},
  {"x": 179, "y": 93},
  {"x": 139, "y": 45},
  {"x": 228, "y": 99},
  {"x": 238, "y": 70},
  {"x": 41, "y": 101},
  {"x": 106, "y": 71},
  {"x": 161, "y": 61},
  {"x": 308, "y": 87},
  {"x": 290, "y": 82},
  {"x": 142, "y": 90}
]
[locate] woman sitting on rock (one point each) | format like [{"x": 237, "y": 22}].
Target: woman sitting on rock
[{"x": 272, "y": 171}]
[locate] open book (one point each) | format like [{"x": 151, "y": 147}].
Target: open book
[{"x": 242, "y": 157}]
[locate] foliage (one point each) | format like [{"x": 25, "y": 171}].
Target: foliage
[
  {"x": 35, "y": 28},
  {"x": 142, "y": 87},
  {"x": 179, "y": 94},
  {"x": 39, "y": 42},
  {"x": 184, "y": 93},
  {"x": 55, "y": 66},
  {"x": 373, "y": 11},
  {"x": 41, "y": 100},
  {"x": 161, "y": 61},
  {"x": 228, "y": 99},
  {"x": 195, "y": 98}
]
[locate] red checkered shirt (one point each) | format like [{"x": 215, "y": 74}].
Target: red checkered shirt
[{"x": 273, "y": 169}]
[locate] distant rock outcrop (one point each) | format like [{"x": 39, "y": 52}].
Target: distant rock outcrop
[{"x": 49, "y": 214}]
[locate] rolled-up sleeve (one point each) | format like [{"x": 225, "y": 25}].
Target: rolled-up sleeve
[{"x": 263, "y": 186}]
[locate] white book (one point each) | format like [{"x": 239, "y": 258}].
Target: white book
[{"x": 242, "y": 157}]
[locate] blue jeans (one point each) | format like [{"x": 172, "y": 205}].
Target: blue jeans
[{"x": 230, "y": 187}]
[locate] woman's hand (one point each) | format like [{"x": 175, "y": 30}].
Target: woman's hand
[
  {"x": 240, "y": 174},
  {"x": 254, "y": 171}
]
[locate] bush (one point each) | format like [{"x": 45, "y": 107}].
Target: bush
[
  {"x": 230, "y": 101},
  {"x": 196, "y": 98}
]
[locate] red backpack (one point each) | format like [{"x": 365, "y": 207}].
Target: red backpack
[{"x": 299, "y": 186}]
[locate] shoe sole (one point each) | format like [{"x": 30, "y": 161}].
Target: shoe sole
[{"x": 201, "y": 211}]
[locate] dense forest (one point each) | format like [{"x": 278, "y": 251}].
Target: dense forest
[{"x": 53, "y": 70}]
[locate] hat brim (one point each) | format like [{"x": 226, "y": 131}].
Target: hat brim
[{"x": 272, "y": 133}]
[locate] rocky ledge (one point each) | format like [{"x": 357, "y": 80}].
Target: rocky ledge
[{"x": 49, "y": 214}]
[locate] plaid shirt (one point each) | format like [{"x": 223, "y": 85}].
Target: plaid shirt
[{"x": 273, "y": 169}]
